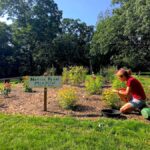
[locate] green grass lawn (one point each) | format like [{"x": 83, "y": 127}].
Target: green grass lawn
[{"x": 43, "y": 133}]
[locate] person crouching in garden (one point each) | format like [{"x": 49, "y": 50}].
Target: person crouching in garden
[{"x": 134, "y": 95}]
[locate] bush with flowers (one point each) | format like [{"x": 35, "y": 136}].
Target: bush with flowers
[
  {"x": 5, "y": 88},
  {"x": 67, "y": 98},
  {"x": 111, "y": 99}
]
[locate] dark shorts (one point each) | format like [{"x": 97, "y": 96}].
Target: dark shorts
[{"x": 137, "y": 103}]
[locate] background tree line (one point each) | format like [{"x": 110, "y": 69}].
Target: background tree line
[
  {"x": 122, "y": 36},
  {"x": 40, "y": 38}
]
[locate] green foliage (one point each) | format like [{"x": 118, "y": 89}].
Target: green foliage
[
  {"x": 103, "y": 134},
  {"x": 38, "y": 38},
  {"x": 123, "y": 36},
  {"x": 65, "y": 75},
  {"x": 4, "y": 91},
  {"x": 67, "y": 98},
  {"x": 1, "y": 86},
  {"x": 93, "y": 84},
  {"x": 7, "y": 61},
  {"x": 35, "y": 25},
  {"x": 16, "y": 81},
  {"x": 26, "y": 86},
  {"x": 109, "y": 73},
  {"x": 117, "y": 84},
  {"x": 51, "y": 71},
  {"x": 72, "y": 46},
  {"x": 111, "y": 98},
  {"x": 74, "y": 75}
]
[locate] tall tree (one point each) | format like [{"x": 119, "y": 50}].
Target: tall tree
[
  {"x": 7, "y": 60},
  {"x": 73, "y": 44},
  {"x": 123, "y": 38},
  {"x": 35, "y": 24}
]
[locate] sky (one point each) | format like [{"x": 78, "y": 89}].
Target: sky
[{"x": 85, "y": 10}]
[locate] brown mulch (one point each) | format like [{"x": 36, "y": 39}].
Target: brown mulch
[{"x": 88, "y": 106}]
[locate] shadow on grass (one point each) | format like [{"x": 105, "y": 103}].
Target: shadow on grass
[{"x": 86, "y": 115}]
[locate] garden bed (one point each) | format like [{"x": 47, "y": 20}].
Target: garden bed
[{"x": 88, "y": 106}]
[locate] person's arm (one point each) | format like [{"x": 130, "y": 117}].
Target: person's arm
[{"x": 126, "y": 92}]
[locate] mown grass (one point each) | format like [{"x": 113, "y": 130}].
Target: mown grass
[{"x": 43, "y": 133}]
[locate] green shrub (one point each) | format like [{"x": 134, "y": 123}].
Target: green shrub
[
  {"x": 15, "y": 81},
  {"x": 5, "y": 91},
  {"x": 67, "y": 98},
  {"x": 26, "y": 84},
  {"x": 117, "y": 84},
  {"x": 65, "y": 76},
  {"x": 1, "y": 86},
  {"x": 51, "y": 71},
  {"x": 109, "y": 73},
  {"x": 111, "y": 99},
  {"x": 94, "y": 84},
  {"x": 74, "y": 75},
  {"x": 28, "y": 89}
]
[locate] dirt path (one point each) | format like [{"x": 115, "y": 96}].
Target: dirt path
[{"x": 32, "y": 104}]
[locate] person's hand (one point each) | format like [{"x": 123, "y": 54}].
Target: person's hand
[{"x": 115, "y": 91}]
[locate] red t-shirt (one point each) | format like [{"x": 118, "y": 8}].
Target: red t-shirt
[{"x": 137, "y": 90}]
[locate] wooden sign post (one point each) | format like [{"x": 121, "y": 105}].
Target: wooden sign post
[
  {"x": 45, "y": 82},
  {"x": 45, "y": 99}
]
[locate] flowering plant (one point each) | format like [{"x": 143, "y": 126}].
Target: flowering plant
[{"x": 67, "y": 98}]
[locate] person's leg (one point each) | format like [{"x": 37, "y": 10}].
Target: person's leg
[{"x": 127, "y": 108}]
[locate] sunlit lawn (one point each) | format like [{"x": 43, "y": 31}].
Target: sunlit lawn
[{"x": 43, "y": 133}]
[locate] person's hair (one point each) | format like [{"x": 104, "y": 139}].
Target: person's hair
[{"x": 126, "y": 73}]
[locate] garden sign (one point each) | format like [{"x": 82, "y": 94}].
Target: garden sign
[{"x": 45, "y": 82}]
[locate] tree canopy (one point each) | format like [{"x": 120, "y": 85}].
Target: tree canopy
[
  {"x": 42, "y": 39},
  {"x": 39, "y": 38},
  {"x": 123, "y": 37}
]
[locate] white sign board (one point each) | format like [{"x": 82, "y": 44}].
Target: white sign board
[{"x": 44, "y": 81}]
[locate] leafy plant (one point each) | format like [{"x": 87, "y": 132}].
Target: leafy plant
[
  {"x": 51, "y": 71},
  {"x": 111, "y": 98},
  {"x": 26, "y": 84},
  {"x": 109, "y": 73},
  {"x": 74, "y": 75},
  {"x": 15, "y": 81},
  {"x": 67, "y": 98},
  {"x": 5, "y": 90},
  {"x": 93, "y": 84},
  {"x": 117, "y": 84},
  {"x": 65, "y": 75},
  {"x": 1, "y": 86}
]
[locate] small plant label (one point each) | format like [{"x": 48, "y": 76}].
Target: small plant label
[{"x": 44, "y": 81}]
